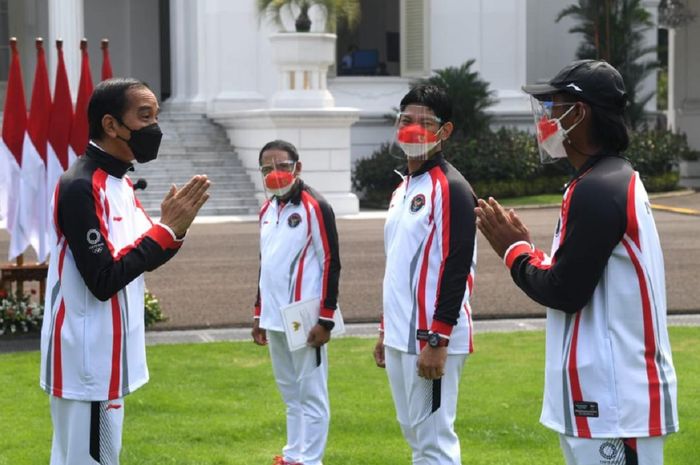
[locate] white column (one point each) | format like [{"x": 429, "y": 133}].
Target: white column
[
  {"x": 66, "y": 22},
  {"x": 651, "y": 40},
  {"x": 186, "y": 42},
  {"x": 683, "y": 84}
]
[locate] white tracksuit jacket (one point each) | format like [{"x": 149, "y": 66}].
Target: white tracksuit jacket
[{"x": 609, "y": 371}]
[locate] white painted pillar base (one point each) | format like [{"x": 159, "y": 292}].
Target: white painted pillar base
[{"x": 321, "y": 135}]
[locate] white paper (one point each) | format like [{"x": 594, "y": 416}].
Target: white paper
[{"x": 298, "y": 319}]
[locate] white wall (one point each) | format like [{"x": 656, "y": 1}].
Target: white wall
[
  {"x": 550, "y": 46},
  {"x": 491, "y": 32}
]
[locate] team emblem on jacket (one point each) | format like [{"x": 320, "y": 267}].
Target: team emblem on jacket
[
  {"x": 94, "y": 239},
  {"x": 294, "y": 220},
  {"x": 608, "y": 450},
  {"x": 417, "y": 203}
]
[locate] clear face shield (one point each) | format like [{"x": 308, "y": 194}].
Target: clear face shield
[
  {"x": 550, "y": 133},
  {"x": 417, "y": 132},
  {"x": 278, "y": 176}
]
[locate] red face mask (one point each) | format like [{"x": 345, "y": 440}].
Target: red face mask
[
  {"x": 545, "y": 128},
  {"x": 279, "y": 182},
  {"x": 416, "y": 141},
  {"x": 416, "y": 134}
]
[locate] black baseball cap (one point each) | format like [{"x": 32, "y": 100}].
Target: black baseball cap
[{"x": 593, "y": 81}]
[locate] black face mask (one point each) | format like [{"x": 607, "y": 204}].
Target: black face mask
[{"x": 144, "y": 142}]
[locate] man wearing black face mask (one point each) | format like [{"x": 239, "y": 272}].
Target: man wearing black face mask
[
  {"x": 92, "y": 341},
  {"x": 610, "y": 383}
]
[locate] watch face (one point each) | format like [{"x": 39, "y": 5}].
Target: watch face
[{"x": 433, "y": 340}]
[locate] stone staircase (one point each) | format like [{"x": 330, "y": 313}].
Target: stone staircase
[{"x": 193, "y": 144}]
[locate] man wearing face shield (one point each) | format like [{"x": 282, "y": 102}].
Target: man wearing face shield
[
  {"x": 430, "y": 245},
  {"x": 610, "y": 383},
  {"x": 299, "y": 260},
  {"x": 92, "y": 340}
]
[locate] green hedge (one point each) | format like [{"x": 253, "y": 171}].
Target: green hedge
[{"x": 506, "y": 163}]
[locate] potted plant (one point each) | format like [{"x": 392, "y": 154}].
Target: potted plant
[
  {"x": 344, "y": 10},
  {"x": 18, "y": 313}
]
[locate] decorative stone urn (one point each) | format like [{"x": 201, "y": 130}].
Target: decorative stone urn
[{"x": 303, "y": 59}]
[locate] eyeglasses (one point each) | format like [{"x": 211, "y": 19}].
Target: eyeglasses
[
  {"x": 287, "y": 166},
  {"x": 548, "y": 106},
  {"x": 426, "y": 121}
]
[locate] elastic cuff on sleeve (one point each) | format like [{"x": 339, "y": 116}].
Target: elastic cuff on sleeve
[
  {"x": 442, "y": 328},
  {"x": 326, "y": 313},
  {"x": 515, "y": 250},
  {"x": 164, "y": 236}
]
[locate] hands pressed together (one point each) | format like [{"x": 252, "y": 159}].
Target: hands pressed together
[{"x": 180, "y": 206}]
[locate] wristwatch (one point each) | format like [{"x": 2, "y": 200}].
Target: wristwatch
[
  {"x": 328, "y": 324},
  {"x": 435, "y": 340}
]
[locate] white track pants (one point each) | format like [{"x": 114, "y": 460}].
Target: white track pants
[
  {"x": 640, "y": 451},
  {"x": 303, "y": 383},
  {"x": 428, "y": 429},
  {"x": 86, "y": 433}
]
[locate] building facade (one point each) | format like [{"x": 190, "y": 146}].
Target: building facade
[{"x": 215, "y": 56}]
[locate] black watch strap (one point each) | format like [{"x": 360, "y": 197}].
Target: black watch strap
[{"x": 328, "y": 324}]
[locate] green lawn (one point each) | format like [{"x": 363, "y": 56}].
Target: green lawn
[
  {"x": 217, "y": 404},
  {"x": 542, "y": 199}
]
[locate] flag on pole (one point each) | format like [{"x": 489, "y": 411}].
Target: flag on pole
[
  {"x": 14, "y": 131},
  {"x": 60, "y": 124},
  {"x": 106, "y": 63},
  {"x": 79, "y": 130},
  {"x": 32, "y": 198}
]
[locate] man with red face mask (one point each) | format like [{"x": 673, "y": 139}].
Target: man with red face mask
[
  {"x": 610, "y": 383},
  {"x": 429, "y": 239},
  {"x": 299, "y": 260}
]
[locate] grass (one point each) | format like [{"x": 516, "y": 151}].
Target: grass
[
  {"x": 541, "y": 199},
  {"x": 217, "y": 404}
]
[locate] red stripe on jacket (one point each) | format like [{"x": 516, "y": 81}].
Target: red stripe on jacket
[
  {"x": 632, "y": 226},
  {"x": 655, "y": 428},
  {"x": 422, "y": 283},
  {"x": 439, "y": 178},
  {"x": 57, "y": 361},
  {"x": 307, "y": 198},
  {"x": 60, "y": 317},
  {"x": 99, "y": 184},
  {"x": 115, "y": 372}
]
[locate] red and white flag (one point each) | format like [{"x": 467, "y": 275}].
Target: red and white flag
[
  {"x": 106, "y": 63},
  {"x": 79, "y": 130},
  {"x": 33, "y": 196},
  {"x": 14, "y": 132},
  {"x": 59, "y": 133}
]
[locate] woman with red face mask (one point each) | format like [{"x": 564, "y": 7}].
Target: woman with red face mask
[{"x": 299, "y": 261}]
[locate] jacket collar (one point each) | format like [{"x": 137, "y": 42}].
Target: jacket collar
[
  {"x": 429, "y": 164},
  {"x": 107, "y": 162},
  {"x": 295, "y": 194},
  {"x": 589, "y": 164}
]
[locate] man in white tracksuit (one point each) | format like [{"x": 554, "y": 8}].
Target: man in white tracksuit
[
  {"x": 299, "y": 260},
  {"x": 429, "y": 240},
  {"x": 610, "y": 383},
  {"x": 93, "y": 345}
]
